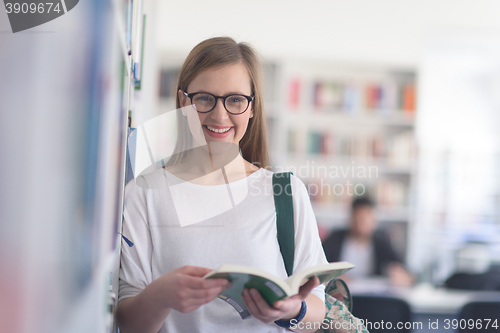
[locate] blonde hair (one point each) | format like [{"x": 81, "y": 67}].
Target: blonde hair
[{"x": 218, "y": 52}]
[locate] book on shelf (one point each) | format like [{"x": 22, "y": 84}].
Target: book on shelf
[
  {"x": 351, "y": 98},
  {"x": 271, "y": 287},
  {"x": 317, "y": 94},
  {"x": 298, "y": 137},
  {"x": 294, "y": 93},
  {"x": 370, "y": 97},
  {"x": 392, "y": 193},
  {"x": 333, "y": 96},
  {"x": 388, "y": 193},
  {"x": 399, "y": 149},
  {"x": 314, "y": 142},
  {"x": 408, "y": 103}
]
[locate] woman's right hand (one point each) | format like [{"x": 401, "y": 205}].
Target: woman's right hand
[
  {"x": 182, "y": 289},
  {"x": 185, "y": 290}
]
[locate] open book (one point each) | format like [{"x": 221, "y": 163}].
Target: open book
[{"x": 271, "y": 287}]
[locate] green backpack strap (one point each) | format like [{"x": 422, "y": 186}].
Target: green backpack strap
[
  {"x": 338, "y": 299},
  {"x": 282, "y": 190}
]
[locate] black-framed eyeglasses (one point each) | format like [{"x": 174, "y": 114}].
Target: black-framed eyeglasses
[{"x": 204, "y": 102}]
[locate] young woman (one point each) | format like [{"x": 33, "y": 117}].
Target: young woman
[{"x": 216, "y": 208}]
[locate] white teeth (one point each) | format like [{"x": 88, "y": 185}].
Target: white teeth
[{"x": 222, "y": 130}]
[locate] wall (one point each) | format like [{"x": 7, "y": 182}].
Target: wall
[{"x": 392, "y": 32}]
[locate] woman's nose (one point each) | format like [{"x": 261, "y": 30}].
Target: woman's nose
[{"x": 219, "y": 113}]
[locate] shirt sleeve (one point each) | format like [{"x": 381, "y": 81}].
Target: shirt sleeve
[
  {"x": 308, "y": 249},
  {"x": 135, "y": 259}
]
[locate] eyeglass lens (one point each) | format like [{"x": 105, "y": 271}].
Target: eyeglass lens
[{"x": 233, "y": 103}]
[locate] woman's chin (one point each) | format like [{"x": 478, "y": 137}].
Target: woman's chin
[{"x": 222, "y": 147}]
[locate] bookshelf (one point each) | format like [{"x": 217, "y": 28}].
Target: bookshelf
[
  {"x": 346, "y": 129},
  {"x": 68, "y": 94},
  {"x": 129, "y": 19},
  {"x": 349, "y": 123}
]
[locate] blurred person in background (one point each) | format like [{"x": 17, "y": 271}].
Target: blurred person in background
[{"x": 367, "y": 247}]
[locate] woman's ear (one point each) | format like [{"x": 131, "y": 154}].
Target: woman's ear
[{"x": 182, "y": 100}]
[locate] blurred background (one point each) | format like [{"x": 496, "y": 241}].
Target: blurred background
[{"x": 398, "y": 101}]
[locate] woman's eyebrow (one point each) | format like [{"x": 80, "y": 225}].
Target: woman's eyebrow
[
  {"x": 237, "y": 93},
  {"x": 234, "y": 92}
]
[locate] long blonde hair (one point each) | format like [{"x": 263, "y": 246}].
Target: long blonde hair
[{"x": 218, "y": 52}]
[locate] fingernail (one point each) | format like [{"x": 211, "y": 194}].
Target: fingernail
[{"x": 254, "y": 292}]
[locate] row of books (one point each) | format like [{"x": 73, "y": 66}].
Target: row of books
[
  {"x": 352, "y": 97},
  {"x": 333, "y": 192},
  {"x": 387, "y": 193},
  {"x": 392, "y": 193},
  {"x": 396, "y": 149}
]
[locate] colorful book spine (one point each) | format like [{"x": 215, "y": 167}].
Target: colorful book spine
[
  {"x": 409, "y": 98},
  {"x": 294, "y": 99}
]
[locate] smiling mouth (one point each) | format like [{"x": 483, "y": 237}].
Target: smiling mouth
[{"x": 218, "y": 130}]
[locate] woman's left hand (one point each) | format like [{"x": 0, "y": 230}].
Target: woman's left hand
[{"x": 285, "y": 309}]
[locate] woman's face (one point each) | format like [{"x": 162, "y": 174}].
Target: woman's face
[{"x": 222, "y": 81}]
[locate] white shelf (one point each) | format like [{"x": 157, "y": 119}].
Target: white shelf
[{"x": 363, "y": 118}]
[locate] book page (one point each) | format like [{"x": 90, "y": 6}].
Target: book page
[{"x": 324, "y": 272}]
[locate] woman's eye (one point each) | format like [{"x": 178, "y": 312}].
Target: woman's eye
[
  {"x": 203, "y": 98},
  {"x": 235, "y": 99}
]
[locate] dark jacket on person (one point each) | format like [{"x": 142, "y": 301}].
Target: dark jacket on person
[{"x": 382, "y": 249}]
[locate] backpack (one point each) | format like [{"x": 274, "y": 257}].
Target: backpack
[{"x": 338, "y": 300}]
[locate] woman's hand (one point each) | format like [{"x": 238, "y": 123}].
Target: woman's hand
[
  {"x": 286, "y": 309},
  {"x": 185, "y": 290},
  {"x": 182, "y": 289}
]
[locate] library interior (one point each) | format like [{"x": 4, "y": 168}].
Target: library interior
[{"x": 388, "y": 113}]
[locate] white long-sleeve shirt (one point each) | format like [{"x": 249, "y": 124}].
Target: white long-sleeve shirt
[{"x": 173, "y": 223}]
